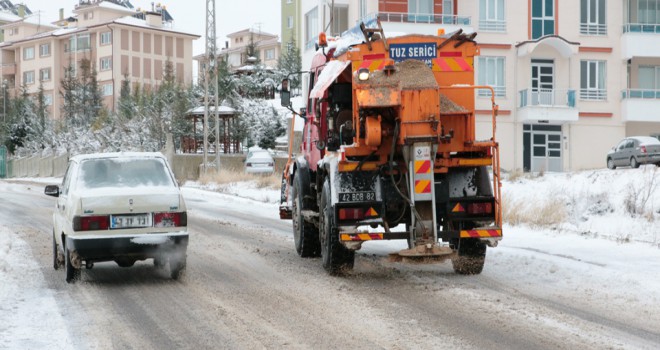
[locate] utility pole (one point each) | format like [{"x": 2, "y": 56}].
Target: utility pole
[{"x": 210, "y": 77}]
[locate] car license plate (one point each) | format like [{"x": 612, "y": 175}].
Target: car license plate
[
  {"x": 366, "y": 196},
  {"x": 130, "y": 221}
]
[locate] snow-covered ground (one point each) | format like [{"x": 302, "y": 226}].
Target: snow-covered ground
[{"x": 573, "y": 233}]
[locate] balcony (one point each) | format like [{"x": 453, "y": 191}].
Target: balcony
[
  {"x": 555, "y": 106},
  {"x": 423, "y": 23},
  {"x": 7, "y": 69},
  {"x": 640, "y": 105},
  {"x": 640, "y": 40}
]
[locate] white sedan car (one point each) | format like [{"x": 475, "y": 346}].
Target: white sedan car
[
  {"x": 259, "y": 162},
  {"x": 120, "y": 207}
]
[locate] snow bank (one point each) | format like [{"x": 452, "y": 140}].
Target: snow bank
[{"x": 29, "y": 315}]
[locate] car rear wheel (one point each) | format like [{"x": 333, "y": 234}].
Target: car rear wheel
[
  {"x": 177, "y": 264},
  {"x": 72, "y": 273},
  {"x": 57, "y": 257},
  {"x": 634, "y": 163},
  {"x": 610, "y": 164}
]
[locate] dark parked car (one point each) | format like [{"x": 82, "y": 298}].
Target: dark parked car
[{"x": 633, "y": 151}]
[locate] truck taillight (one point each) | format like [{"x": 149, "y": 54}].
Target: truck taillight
[
  {"x": 91, "y": 223},
  {"x": 480, "y": 208},
  {"x": 351, "y": 214},
  {"x": 170, "y": 219}
]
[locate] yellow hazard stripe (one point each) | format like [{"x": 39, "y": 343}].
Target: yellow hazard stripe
[
  {"x": 422, "y": 186},
  {"x": 481, "y": 233},
  {"x": 361, "y": 236}
]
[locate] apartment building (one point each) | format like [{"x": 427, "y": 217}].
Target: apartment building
[
  {"x": 118, "y": 40},
  {"x": 234, "y": 51},
  {"x": 291, "y": 17},
  {"x": 571, "y": 77}
]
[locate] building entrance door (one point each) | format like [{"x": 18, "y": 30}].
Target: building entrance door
[{"x": 542, "y": 148}]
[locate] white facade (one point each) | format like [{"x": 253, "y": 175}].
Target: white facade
[{"x": 572, "y": 77}]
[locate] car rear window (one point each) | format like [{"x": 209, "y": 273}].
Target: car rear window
[{"x": 123, "y": 172}]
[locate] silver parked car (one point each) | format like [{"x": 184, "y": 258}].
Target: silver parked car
[
  {"x": 633, "y": 151},
  {"x": 120, "y": 207},
  {"x": 259, "y": 162}
]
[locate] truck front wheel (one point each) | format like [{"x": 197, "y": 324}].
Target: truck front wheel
[
  {"x": 471, "y": 257},
  {"x": 305, "y": 235},
  {"x": 336, "y": 258}
]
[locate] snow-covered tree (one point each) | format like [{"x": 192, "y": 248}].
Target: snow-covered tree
[{"x": 290, "y": 61}]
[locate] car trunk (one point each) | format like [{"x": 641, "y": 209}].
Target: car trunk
[{"x": 132, "y": 201}]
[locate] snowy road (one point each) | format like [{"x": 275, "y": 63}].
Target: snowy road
[{"x": 246, "y": 288}]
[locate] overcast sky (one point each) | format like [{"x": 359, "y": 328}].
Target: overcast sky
[{"x": 189, "y": 15}]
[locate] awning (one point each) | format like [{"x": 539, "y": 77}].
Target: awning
[
  {"x": 329, "y": 74},
  {"x": 564, "y": 47}
]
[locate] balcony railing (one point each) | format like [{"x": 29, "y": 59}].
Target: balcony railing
[
  {"x": 500, "y": 91},
  {"x": 640, "y": 93},
  {"x": 593, "y": 29},
  {"x": 593, "y": 94},
  {"x": 547, "y": 98},
  {"x": 404, "y": 17},
  {"x": 489, "y": 25},
  {"x": 641, "y": 28}
]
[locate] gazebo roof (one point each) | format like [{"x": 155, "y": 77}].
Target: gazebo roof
[{"x": 222, "y": 110}]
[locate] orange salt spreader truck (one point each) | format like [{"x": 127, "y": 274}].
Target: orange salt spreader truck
[{"x": 389, "y": 152}]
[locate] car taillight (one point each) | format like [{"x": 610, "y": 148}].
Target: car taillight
[
  {"x": 480, "y": 208},
  {"x": 170, "y": 219},
  {"x": 643, "y": 149},
  {"x": 91, "y": 223}
]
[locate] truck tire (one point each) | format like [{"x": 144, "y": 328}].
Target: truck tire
[
  {"x": 305, "y": 235},
  {"x": 72, "y": 273},
  {"x": 336, "y": 258},
  {"x": 471, "y": 257}
]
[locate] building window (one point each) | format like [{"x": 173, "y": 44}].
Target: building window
[
  {"x": 28, "y": 53},
  {"x": 491, "y": 15},
  {"x": 107, "y": 90},
  {"x": 289, "y": 1},
  {"x": 44, "y": 50},
  {"x": 289, "y": 22},
  {"x": 420, "y": 11},
  {"x": 106, "y": 38},
  {"x": 339, "y": 20},
  {"x": 649, "y": 79},
  {"x": 13, "y": 31},
  {"x": 106, "y": 63},
  {"x": 48, "y": 99},
  {"x": 44, "y": 74},
  {"x": 28, "y": 77},
  {"x": 648, "y": 11},
  {"x": 362, "y": 9},
  {"x": 311, "y": 27},
  {"x": 490, "y": 71},
  {"x": 79, "y": 42},
  {"x": 543, "y": 18},
  {"x": 89, "y": 15},
  {"x": 592, "y": 80},
  {"x": 592, "y": 17},
  {"x": 270, "y": 54}
]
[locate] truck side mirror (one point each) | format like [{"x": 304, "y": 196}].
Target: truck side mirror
[{"x": 285, "y": 94}]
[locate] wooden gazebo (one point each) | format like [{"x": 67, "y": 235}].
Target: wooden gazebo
[{"x": 227, "y": 119}]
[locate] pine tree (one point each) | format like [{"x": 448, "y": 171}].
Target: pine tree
[
  {"x": 69, "y": 92},
  {"x": 126, "y": 104},
  {"x": 291, "y": 62},
  {"x": 251, "y": 51}
]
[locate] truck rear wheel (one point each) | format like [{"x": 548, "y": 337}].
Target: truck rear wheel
[
  {"x": 305, "y": 235},
  {"x": 471, "y": 257},
  {"x": 336, "y": 258}
]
